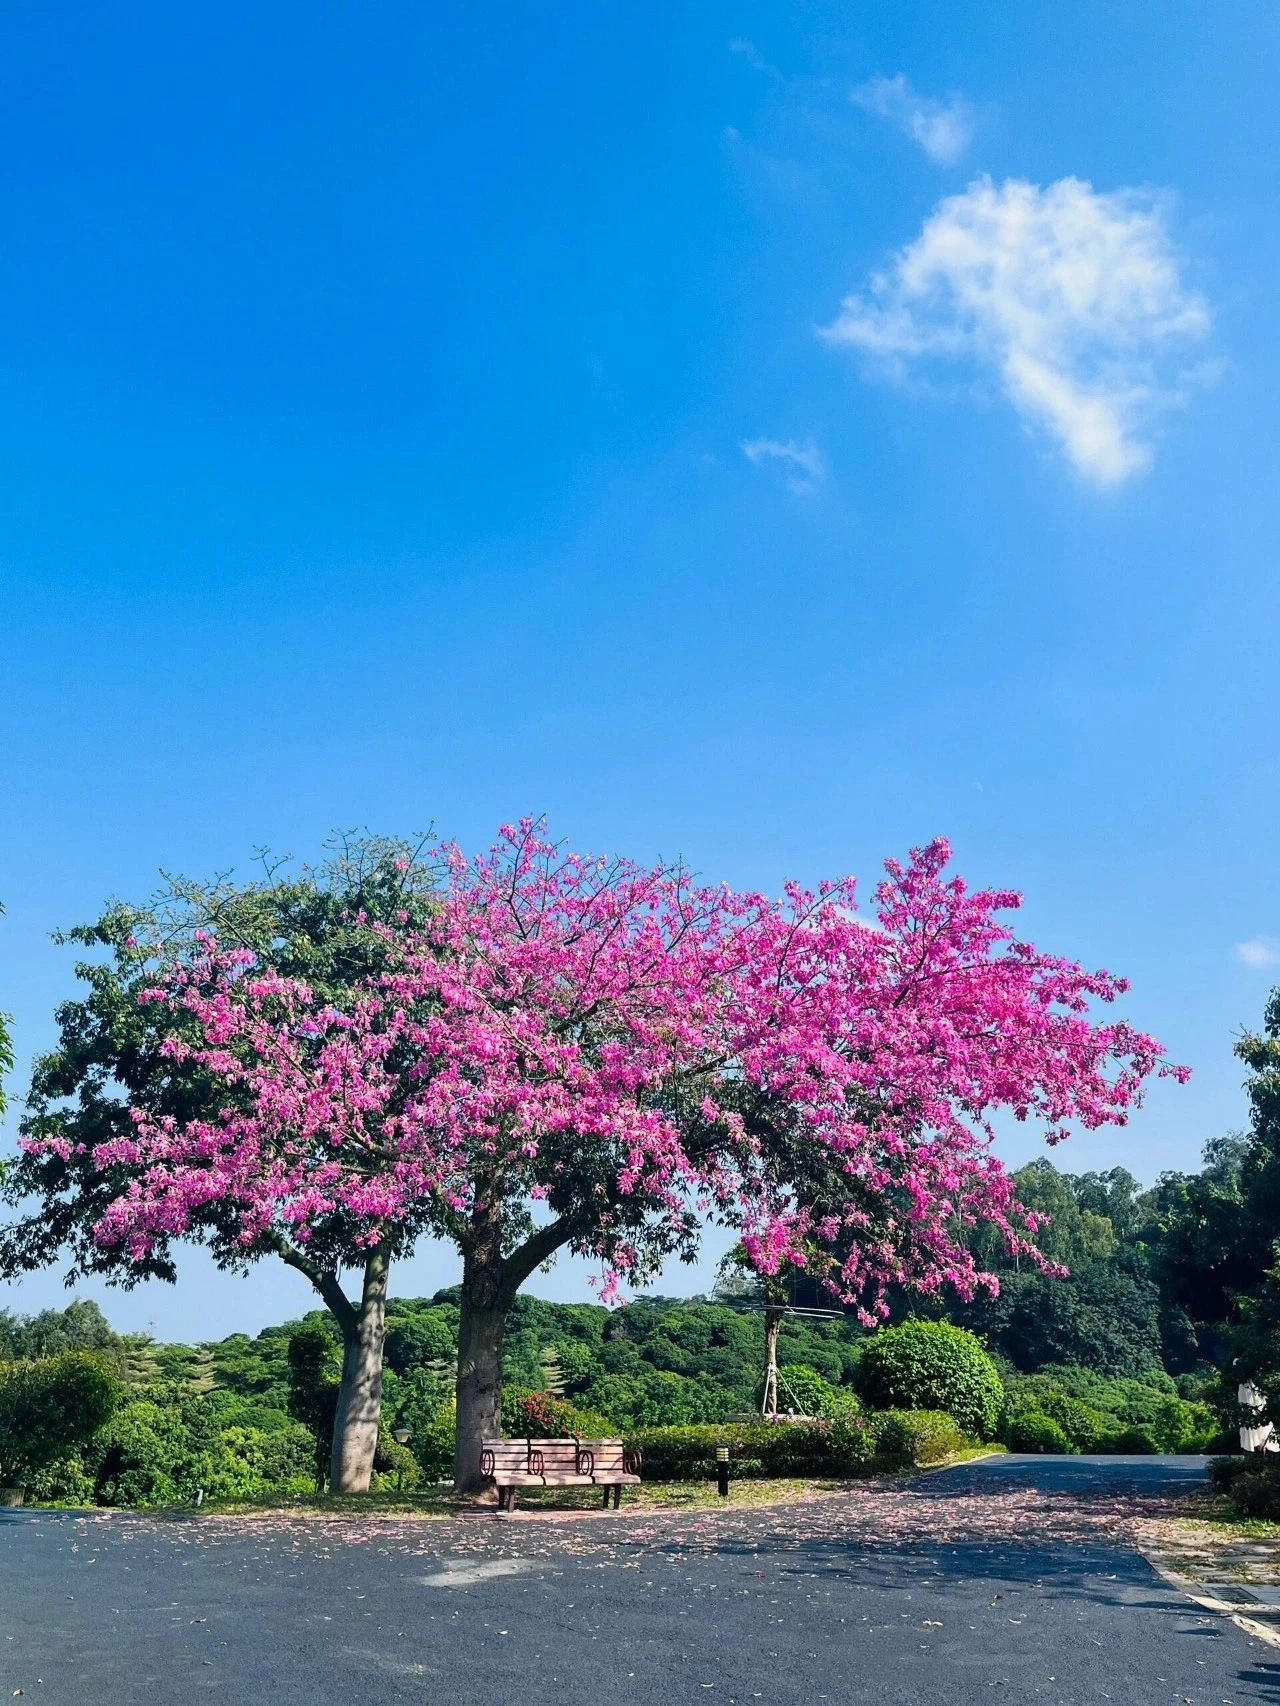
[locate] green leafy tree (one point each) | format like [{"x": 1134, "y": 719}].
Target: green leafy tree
[
  {"x": 81, "y": 1326},
  {"x": 313, "y": 1389},
  {"x": 50, "y": 1409}
]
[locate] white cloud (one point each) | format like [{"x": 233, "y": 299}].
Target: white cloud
[
  {"x": 1259, "y": 952},
  {"x": 802, "y": 465},
  {"x": 944, "y": 129},
  {"x": 1071, "y": 296},
  {"x": 755, "y": 59}
]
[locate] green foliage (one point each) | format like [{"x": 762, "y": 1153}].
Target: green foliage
[
  {"x": 50, "y": 1409},
  {"x": 931, "y": 1365},
  {"x": 434, "y": 1447},
  {"x": 1136, "y": 1441},
  {"x": 804, "y": 1390},
  {"x": 1034, "y": 1431},
  {"x": 541, "y": 1415},
  {"x": 81, "y": 1326},
  {"x": 314, "y": 1378},
  {"x": 757, "y": 1449},
  {"x": 169, "y": 1442},
  {"x": 913, "y": 1439},
  {"x": 1255, "y": 1490},
  {"x": 1095, "y": 1413}
]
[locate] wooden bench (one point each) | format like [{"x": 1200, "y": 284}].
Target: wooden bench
[
  {"x": 611, "y": 1467},
  {"x": 506, "y": 1463},
  {"x": 514, "y": 1463}
]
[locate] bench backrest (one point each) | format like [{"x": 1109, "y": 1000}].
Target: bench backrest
[
  {"x": 504, "y": 1456},
  {"x": 608, "y": 1456},
  {"x": 557, "y": 1456}
]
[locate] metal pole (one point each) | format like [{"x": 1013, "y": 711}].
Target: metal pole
[{"x": 722, "y": 1471}]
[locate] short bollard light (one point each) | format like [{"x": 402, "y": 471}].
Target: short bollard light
[
  {"x": 402, "y": 1436},
  {"x": 722, "y": 1471}
]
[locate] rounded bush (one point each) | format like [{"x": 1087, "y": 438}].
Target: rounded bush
[
  {"x": 810, "y": 1394},
  {"x": 1033, "y": 1431},
  {"x": 1086, "y": 1429},
  {"x": 1136, "y": 1441},
  {"x": 930, "y": 1365},
  {"x": 911, "y": 1439}
]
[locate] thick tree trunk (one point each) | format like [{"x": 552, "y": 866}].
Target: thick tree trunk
[
  {"x": 490, "y": 1282},
  {"x": 359, "y": 1405},
  {"x": 481, "y": 1330}
]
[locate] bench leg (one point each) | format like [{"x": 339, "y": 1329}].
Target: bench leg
[
  {"x": 617, "y": 1497},
  {"x": 605, "y": 1504}
]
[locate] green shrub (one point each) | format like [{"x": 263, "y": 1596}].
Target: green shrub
[
  {"x": 65, "y": 1482},
  {"x": 170, "y": 1443},
  {"x": 1256, "y": 1492},
  {"x": 540, "y": 1415},
  {"x": 930, "y": 1365},
  {"x": 1086, "y": 1429},
  {"x": 1034, "y": 1431},
  {"x": 912, "y": 1439},
  {"x": 757, "y": 1450},
  {"x": 805, "y": 1390},
  {"x": 51, "y": 1408},
  {"x": 1223, "y": 1471},
  {"x": 434, "y": 1447},
  {"x": 1136, "y": 1441}
]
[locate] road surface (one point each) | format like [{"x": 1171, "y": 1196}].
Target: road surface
[{"x": 1007, "y": 1580}]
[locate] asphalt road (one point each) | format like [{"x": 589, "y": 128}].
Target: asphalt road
[{"x": 663, "y": 1612}]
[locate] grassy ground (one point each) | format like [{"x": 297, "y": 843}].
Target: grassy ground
[{"x": 653, "y": 1495}]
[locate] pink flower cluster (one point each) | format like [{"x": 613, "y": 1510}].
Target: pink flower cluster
[{"x": 599, "y": 1033}]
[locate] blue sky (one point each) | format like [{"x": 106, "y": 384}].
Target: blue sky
[{"x": 768, "y": 434}]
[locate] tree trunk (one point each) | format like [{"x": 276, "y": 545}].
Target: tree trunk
[
  {"x": 490, "y": 1282},
  {"x": 481, "y": 1330},
  {"x": 772, "y": 1327},
  {"x": 359, "y": 1405}
]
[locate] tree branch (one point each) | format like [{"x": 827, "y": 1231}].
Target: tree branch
[
  {"x": 336, "y": 1300},
  {"x": 535, "y": 1250}
]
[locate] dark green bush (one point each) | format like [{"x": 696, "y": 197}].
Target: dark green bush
[
  {"x": 757, "y": 1449},
  {"x": 1034, "y": 1431},
  {"x": 913, "y": 1439},
  {"x": 1256, "y": 1492},
  {"x": 1086, "y": 1429},
  {"x": 1223, "y": 1471},
  {"x": 49, "y": 1409},
  {"x": 930, "y": 1365},
  {"x": 1136, "y": 1441}
]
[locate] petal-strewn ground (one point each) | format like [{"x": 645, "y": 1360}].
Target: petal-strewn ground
[{"x": 1014, "y": 1578}]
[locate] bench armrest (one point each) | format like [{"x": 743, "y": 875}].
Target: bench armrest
[
  {"x": 632, "y": 1460},
  {"x": 586, "y": 1460}
]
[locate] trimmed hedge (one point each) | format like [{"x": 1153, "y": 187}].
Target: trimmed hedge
[
  {"x": 913, "y": 1439},
  {"x": 850, "y": 1445},
  {"x": 757, "y": 1450},
  {"x": 931, "y": 1365}
]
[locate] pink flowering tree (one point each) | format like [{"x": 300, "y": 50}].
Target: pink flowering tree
[{"x": 560, "y": 1052}]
